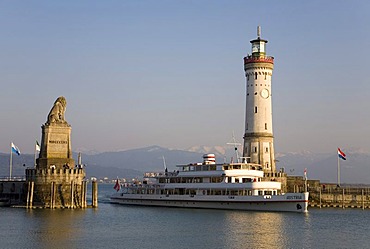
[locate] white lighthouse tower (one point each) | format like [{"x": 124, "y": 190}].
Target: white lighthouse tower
[{"x": 258, "y": 136}]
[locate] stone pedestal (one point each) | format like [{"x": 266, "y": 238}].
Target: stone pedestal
[{"x": 56, "y": 149}]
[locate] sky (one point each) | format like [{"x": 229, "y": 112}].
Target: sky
[{"x": 170, "y": 73}]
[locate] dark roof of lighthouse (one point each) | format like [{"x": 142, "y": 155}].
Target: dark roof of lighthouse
[{"x": 258, "y": 39}]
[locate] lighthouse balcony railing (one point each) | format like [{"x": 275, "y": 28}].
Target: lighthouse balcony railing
[{"x": 251, "y": 59}]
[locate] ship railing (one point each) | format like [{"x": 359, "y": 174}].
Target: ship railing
[
  {"x": 137, "y": 186},
  {"x": 160, "y": 174}
]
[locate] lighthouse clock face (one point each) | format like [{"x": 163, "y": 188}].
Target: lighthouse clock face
[{"x": 265, "y": 93}]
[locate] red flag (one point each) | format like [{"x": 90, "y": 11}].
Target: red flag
[{"x": 117, "y": 186}]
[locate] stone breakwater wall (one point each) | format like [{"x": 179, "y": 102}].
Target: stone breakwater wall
[
  {"x": 341, "y": 197},
  {"x": 330, "y": 194},
  {"x": 13, "y": 190}
]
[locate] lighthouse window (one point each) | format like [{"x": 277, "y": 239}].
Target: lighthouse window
[
  {"x": 265, "y": 126},
  {"x": 255, "y": 149},
  {"x": 255, "y": 109},
  {"x": 255, "y": 93},
  {"x": 248, "y": 77},
  {"x": 267, "y": 149},
  {"x": 265, "y": 76},
  {"x": 255, "y": 75}
]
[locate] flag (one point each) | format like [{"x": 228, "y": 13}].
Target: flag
[
  {"x": 341, "y": 154},
  {"x": 37, "y": 146},
  {"x": 117, "y": 186},
  {"x": 15, "y": 149}
]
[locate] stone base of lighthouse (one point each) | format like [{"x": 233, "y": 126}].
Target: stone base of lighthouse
[
  {"x": 56, "y": 188},
  {"x": 259, "y": 148}
]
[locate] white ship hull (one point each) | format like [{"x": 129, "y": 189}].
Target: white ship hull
[{"x": 289, "y": 202}]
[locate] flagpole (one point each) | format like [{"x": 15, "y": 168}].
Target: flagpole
[
  {"x": 11, "y": 161},
  {"x": 34, "y": 162},
  {"x": 338, "y": 172}
]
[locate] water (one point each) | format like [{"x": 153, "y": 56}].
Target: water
[{"x": 117, "y": 226}]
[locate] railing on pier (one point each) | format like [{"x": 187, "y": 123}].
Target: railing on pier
[{"x": 12, "y": 179}]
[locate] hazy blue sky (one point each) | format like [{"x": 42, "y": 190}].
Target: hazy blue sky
[{"x": 170, "y": 73}]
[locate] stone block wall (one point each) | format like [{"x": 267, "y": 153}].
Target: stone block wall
[{"x": 58, "y": 188}]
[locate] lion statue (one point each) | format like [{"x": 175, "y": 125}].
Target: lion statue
[{"x": 56, "y": 114}]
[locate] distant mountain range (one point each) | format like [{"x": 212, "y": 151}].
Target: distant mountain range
[{"x": 132, "y": 163}]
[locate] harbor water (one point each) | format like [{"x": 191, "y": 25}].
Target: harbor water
[{"x": 117, "y": 226}]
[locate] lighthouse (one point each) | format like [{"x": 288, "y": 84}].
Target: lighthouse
[{"x": 258, "y": 136}]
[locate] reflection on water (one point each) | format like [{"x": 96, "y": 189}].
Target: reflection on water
[
  {"x": 53, "y": 228},
  {"x": 254, "y": 230}
]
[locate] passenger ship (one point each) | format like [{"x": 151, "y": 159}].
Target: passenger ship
[{"x": 237, "y": 186}]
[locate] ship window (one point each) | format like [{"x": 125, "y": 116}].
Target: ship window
[
  {"x": 260, "y": 192},
  {"x": 246, "y": 180},
  {"x": 255, "y": 93},
  {"x": 236, "y": 180}
]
